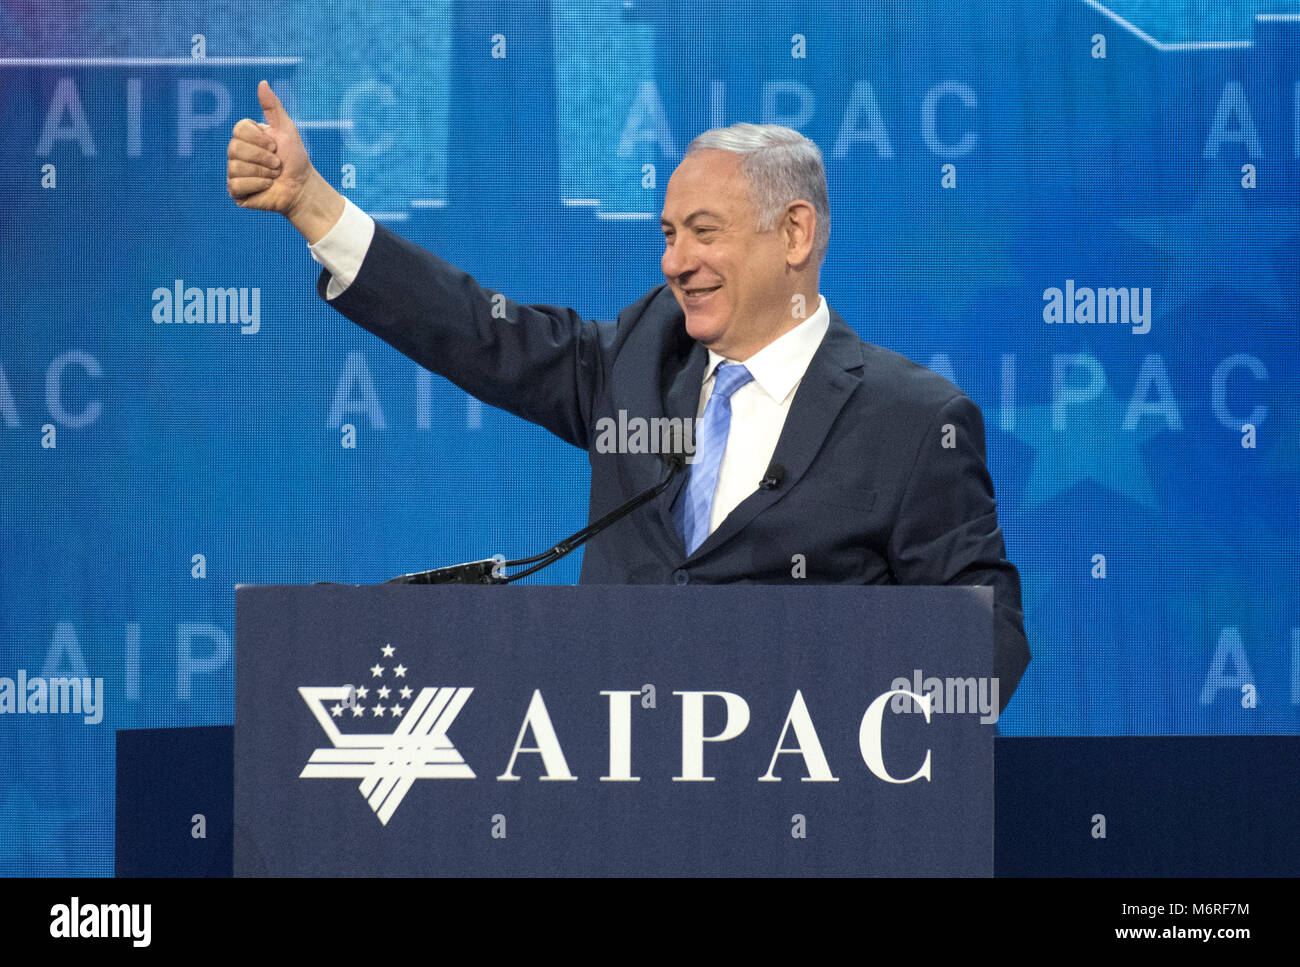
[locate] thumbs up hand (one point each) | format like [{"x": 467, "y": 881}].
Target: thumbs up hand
[
  {"x": 268, "y": 170},
  {"x": 267, "y": 166}
]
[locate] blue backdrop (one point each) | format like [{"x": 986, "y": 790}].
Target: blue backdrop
[{"x": 987, "y": 162}]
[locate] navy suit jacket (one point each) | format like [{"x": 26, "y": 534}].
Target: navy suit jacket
[{"x": 885, "y": 477}]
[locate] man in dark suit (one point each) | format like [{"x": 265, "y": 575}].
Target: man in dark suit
[{"x": 818, "y": 456}]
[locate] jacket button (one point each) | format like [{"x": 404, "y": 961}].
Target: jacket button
[{"x": 680, "y": 576}]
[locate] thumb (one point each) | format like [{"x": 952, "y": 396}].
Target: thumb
[{"x": 272, "y": 109}]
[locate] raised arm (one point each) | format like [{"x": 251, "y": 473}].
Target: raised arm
[{"x": 543, "y": 363}]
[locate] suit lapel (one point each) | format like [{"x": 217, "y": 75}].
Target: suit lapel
[
  {"x": 682, "y": 401},
  {"x": 833, "y": 374}
]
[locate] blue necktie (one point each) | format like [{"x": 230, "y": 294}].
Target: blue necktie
[{"x": 695, "y": 506}]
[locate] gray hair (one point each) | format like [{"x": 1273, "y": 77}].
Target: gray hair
[{"x": 782, "y": 167}]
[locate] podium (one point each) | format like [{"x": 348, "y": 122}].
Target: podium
[
  {"x": 666, "y": 731},
  {"x": 613, "y": 730}
]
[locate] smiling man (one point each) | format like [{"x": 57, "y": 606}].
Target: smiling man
[
  {"x": 818, "y": 457},
  {"x": 742, "y": 276}
]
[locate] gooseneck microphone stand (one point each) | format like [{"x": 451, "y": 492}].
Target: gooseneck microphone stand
[{"x": 492, "y": 570}]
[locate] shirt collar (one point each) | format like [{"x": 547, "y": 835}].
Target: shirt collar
[{"x": 778, "y": 366}]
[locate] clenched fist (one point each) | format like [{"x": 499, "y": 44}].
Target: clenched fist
[{"x": 267, "y": 169}]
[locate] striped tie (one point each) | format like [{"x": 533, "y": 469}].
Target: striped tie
[{"x": 695, "y": 507}]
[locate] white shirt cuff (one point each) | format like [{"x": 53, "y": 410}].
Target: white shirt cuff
[{"x": 343, "y": 248}]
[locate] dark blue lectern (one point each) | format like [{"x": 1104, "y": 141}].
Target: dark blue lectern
[{"x": 462, "y": 730}]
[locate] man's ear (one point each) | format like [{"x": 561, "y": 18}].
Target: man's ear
[{"x": 798, "y": 231}]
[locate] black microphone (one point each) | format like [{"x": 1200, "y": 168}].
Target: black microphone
[
  {"x": 487, "y": 571},
  {"x": 675, "y": 463},
  {"x": 773, "y": 479}
]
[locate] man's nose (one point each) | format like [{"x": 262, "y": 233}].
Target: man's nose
[{"x": 678, "y": 260}]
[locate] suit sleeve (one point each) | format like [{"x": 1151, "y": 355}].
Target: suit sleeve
[
  {"x": 542, "y": 363},
  {"x": 948, "y": 533}
]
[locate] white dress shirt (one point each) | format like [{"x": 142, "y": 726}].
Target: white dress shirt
[
  {"x": 758, "y": 409},
  {"x": 343, "y": 248}
]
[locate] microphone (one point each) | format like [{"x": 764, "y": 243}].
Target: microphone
[
  {"x": 487, "y": 571},
  {"x": 773, "y": 479},
  {"x": 675, "y": 462}
]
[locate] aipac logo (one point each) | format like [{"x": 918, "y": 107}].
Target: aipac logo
[
  {"x": 416, "y": 745},
  {"x": 387, "y": 763}
]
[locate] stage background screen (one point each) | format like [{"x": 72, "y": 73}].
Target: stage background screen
[{"x": 985, "y": 159}]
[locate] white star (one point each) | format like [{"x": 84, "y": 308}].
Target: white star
[
  {"x": 358, "y": 711},
  {"x": 406, "y": 693},
  {"x": 400, "y": 671},
  {"x": 378, "y": 710},
  {"x": 388, "y": 651},
  {"x": 397, "y": 710},
  {"x": 376, "y": 671},
  {"x": 383, "y": 692},
  {"x": 337, "y": 710},
  {"x": 362, "y": 691}
]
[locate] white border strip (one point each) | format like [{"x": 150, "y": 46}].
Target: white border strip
[{"x": 1159, "y": 45}]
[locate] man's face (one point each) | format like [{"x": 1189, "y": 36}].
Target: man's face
[{"x": 726, "y": 275}]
